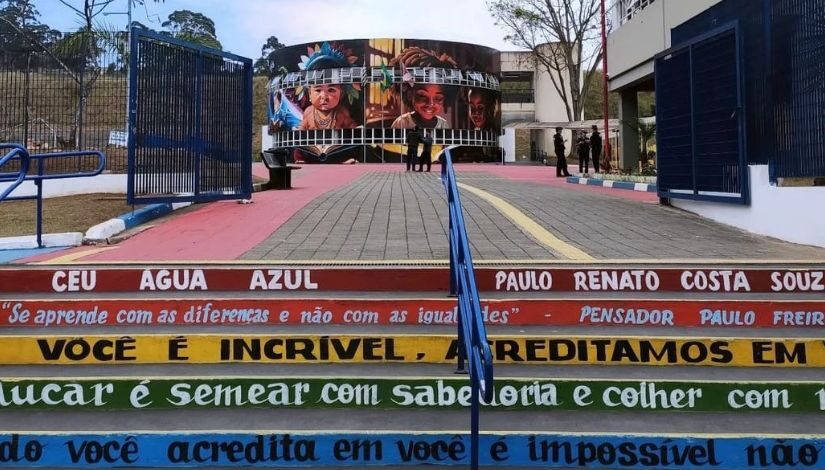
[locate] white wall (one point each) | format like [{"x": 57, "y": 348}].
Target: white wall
[
  {"x": 516, "y": 61},
  {"x": 508, "y": 143},
  {"x": 634, "y": 43},
  {"x": 267, "y": 142},
  {"x": 788, "y": 213},
  {"x": 107, "y": 183}
]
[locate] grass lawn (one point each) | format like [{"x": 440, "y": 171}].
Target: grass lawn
[{"x": 61, "y": 214}]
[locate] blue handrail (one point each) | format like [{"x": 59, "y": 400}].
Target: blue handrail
[
  {"x": 22, "y": 174},
  {"x": 472, "y": 334},
  {"x": 16, "y": 178}
]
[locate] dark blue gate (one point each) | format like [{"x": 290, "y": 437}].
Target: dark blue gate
[
  {"x": 700, "y": 119},
  {"x": 190, "y": 122}
]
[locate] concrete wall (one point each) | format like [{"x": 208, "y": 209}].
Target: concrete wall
[
  {"x": 516, "y": 61},
  {"x": 115, "y": 184},
  {"x": 508, "y": 143},
  {"x": 787, "y": 213},
  {"x": 633, "y": 44},
  {"x": 548, "y": 106}
]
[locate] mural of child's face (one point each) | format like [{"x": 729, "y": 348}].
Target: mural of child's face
[
  {"x": 325, "y": 97},
  {"x": 428, "y": 101},
  {"x": 478, "y": 111}
]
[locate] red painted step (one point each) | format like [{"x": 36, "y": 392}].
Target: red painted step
[{"x": 411, "y": 279}]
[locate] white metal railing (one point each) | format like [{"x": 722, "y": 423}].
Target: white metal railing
[
  {"x": 623, "y": 11},
  {"x": 379, "y": 136},
  {"x": 366, "y": 75}
]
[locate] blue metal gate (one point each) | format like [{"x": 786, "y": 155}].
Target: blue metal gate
[
  {"x": 700, "y": 119},
  {"x": 190, "y": 122}
]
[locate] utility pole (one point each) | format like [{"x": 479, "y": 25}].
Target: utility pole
[
  {"x": 128, "y": 54},
  {"x": 606, "y": 86}
]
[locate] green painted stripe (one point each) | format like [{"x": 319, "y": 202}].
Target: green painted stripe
[{"x": 412, "y": 393}]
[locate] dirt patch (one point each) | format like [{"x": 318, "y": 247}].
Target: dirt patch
[{"x": 61, "y": 214}]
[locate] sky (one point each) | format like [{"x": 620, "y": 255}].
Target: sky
[{"x": 244, "y": 25}]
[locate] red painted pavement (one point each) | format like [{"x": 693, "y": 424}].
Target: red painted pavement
[{"x": 226, "y": 230}]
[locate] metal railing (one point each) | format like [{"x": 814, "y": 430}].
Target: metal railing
[
  {"x": 366, "y": 75},
  {"x": 20, "y": 159},
  {"x": 381, "y": 136},
  {"x": 624, "y": 10},
  {"x": 472, "y": 334}
]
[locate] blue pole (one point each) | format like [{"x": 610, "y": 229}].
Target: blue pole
[
  {"x": 39, "y": 184},
  {"x": 474, "y": 424}
]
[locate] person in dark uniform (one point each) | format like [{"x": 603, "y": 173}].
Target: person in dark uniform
[
  {"x": 413, "y": 139},
  {"x": 596, "y": 148},
  {"x": 427, "y": 153},
  {"x": 561, "y": 161},
  {"x": 583, "y": 151}
]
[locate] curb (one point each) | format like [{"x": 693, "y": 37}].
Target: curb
[
  {"x": 50, "y": 240},
  {"x": 104, "y": 231},
  {"x": 643, "y": 187}
]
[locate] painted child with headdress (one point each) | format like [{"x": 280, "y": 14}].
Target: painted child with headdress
[{"x": 327, "y": 109}]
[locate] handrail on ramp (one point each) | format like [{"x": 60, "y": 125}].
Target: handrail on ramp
[
  {"x": 472, "y": 334},
  {"x": 16, "y": 178}
]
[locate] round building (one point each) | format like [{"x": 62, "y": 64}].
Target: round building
[{"x": 355, "y": 100}]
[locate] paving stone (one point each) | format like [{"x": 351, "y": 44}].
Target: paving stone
[{"x": 404, "y": 216}]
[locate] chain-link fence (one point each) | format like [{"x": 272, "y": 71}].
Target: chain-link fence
[{"x": 68, "y": 94}]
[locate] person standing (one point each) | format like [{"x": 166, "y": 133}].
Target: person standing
[
  {"x": 583, "y": 150},
  {"x": 413, "y": 139},
  {"x": 427, "y": 153},
  {"x": 561, "y": 161},
  {"x": 596, "y": 148}
]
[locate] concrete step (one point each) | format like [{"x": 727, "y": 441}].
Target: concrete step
[
  {"x": 627, "y": 277},
  {"x": 604, "y": 372},
  {"x": 404, "y": 449},
  {"x": 804, "y": 348},
  {"x": 197, "y": 310},
  {"x": 410, "y": 393}
]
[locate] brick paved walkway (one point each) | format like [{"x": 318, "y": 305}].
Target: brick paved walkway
[{"x": 403, "y": 216}]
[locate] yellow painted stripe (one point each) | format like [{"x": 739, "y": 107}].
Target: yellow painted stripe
[
  {"x": 433, "y": 349},
  {"x": 72, "y": 258},
  {"x": 530, "y": 226}
]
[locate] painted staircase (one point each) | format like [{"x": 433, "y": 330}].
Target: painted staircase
[{"x": 602, "y": 366}]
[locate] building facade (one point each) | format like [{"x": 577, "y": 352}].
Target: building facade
[{"x": 740, "y": 106}]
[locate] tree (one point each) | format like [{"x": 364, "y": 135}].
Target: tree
[
  {"x": 78, "y": 53},
  {"x": 20, "y": 32},
  {"x": 267, "y": 64},
  {"x": 563, "y": 37},
  {"x": 594, "y": 99},
  {"x": 194, "y": 27}
]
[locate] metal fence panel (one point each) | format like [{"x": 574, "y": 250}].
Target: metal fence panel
[
  {"x": 784, "y": 60},
  {"x": 700, "y": 119},
  {"x": 674, "y": 132},
  {"x": 191, "y": 122},
  {"x": 65, "y": 94},
  {"x": 798, "y": 55}
]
